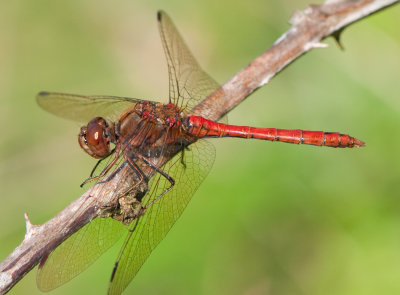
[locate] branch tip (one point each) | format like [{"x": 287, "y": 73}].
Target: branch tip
[{"x": 29, "y": 226}]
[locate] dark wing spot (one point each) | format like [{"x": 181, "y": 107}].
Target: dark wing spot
[
  {"x": 159, "y": 16},
  {"x": 114, "y": 271},
  {"x": 43, "y": 93}
]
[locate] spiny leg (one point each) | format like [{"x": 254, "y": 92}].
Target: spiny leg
[
  {"x": 163, "y": 173},
  {"x": 136, "y": 169},
  {"x": 183, "y": 155},
  {"x": 97, "y": 164},
  {"x": 116, "y": 152}
]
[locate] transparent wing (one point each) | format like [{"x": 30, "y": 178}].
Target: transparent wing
[
  {"x": 188, "y": 83},
  {"x": 83, "y": 108},
  {"x": 78, "y": 252},
  {"x": 161, "y": 216}
]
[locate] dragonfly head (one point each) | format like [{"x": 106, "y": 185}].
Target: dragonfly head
[{"x": 95, "y": 138}]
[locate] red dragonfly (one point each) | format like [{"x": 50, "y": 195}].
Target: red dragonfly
[{"x": 142, "y": 132}]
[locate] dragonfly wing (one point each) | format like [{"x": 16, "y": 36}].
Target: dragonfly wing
[
  {"x": 83, "y": 108},
  {"x": 78, "y": 252},
  {"x": 161, "y": 216},
  {"x": 188, "y": 83}
]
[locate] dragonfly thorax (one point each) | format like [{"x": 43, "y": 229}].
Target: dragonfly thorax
[{"x": 94, "y": 138}]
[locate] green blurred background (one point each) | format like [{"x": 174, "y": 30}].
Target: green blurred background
[{"x": 270, "y": 218}]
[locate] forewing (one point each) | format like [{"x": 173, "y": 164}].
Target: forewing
[
  {"x": 188, "y": 83},
  {"x": 161, "y": 216},
  {"x": 78, "y": 252},
  {"x": 83, "y": 108}
]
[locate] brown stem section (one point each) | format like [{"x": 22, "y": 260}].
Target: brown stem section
[{"x": 309, "y": 27}]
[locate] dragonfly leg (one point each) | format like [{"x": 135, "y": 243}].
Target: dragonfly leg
[
  {"x": 97, "y": 164},
  {"x": 105, "y": 170},
  {"x": 143, "y": 209},
  {"x": 183, "y": 156},
  {"x": 163, "y": 173},
  {"x": 137, "y": 170}
]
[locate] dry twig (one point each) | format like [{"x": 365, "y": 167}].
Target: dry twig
[{"x": 309, "y": 28}]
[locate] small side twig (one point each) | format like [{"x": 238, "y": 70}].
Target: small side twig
[{"x": 309, "y": 27}]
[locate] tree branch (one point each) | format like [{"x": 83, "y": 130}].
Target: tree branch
[{"x": 309, "y": 27}]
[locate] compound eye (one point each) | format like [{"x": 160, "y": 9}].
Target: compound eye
[
  {"x": 94, "y": 139},
  {"x": 94, "y": 134},
  {"x": 83, "y": 142}
]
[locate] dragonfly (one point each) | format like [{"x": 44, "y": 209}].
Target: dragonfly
[{"x": 142, "y": 132}]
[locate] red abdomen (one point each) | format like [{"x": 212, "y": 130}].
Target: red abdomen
[{"x": 200, "y": 127}]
